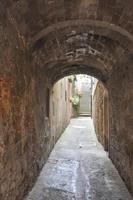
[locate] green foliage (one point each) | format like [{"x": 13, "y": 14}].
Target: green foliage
[
  {"x": 75, "y": 100},
  {"x": 72, "y": 78}
]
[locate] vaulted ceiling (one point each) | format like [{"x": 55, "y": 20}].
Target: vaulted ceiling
[{"x": 75, "y": 36}]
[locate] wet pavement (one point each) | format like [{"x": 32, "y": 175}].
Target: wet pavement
[{"x": 79, "y": 169}]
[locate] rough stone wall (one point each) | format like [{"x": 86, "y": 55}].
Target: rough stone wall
[
  {"x": 100, "y": 114},
  {"x": 120, "y": 107},
  {"x": 121, "y": 121},
  {"x": 25, "y": 132},
  {"x": 65, "y": 35},
  {"x": 26, "y": 137},
  {"x": 22, "y": 129},
  {"x": 16, "y": 116}
]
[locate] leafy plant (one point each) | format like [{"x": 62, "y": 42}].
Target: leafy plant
[
  {"x": 75, "y": 100},
  {"x": 72, "y": 78}
]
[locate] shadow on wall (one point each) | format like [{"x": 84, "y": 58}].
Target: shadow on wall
[
  {"x": 60, "y": 106},
  {"x": 100, "y": 114}
]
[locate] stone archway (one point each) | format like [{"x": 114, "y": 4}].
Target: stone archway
[
  {"x": 94, "y": 48},
  {"x": 43, "y": 41}
]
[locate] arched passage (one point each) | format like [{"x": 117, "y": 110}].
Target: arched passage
[
  {"x": 75, "y": 50},
  {"x": 89, "y": 90},
  {"x": 42, "y": 42}
]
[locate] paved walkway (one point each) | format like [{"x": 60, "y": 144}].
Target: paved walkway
[{"x": 79, "y": 169}]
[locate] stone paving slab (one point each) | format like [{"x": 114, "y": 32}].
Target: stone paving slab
[
  {"x": 53, "y": 194},
  {"x": 79, "y": 169},
  {"x": 60, "y": 174}
]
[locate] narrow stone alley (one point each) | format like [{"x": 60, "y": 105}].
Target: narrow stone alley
[{"x": 79, "y": 169}]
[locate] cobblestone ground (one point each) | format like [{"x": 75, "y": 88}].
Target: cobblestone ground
[{"x": 79, "y": 169}]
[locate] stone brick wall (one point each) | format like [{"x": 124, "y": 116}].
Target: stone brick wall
[
  {"x": 17, "y": 129},
  {"x": 90, "y": 37},
  {"x": 100, "y": 114},
  {"x": 113, "y": 119},
  {"x": 26, "y": 132},
  {"x": 121, "y": 120},
  {"x": 27, "y": 135}
]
